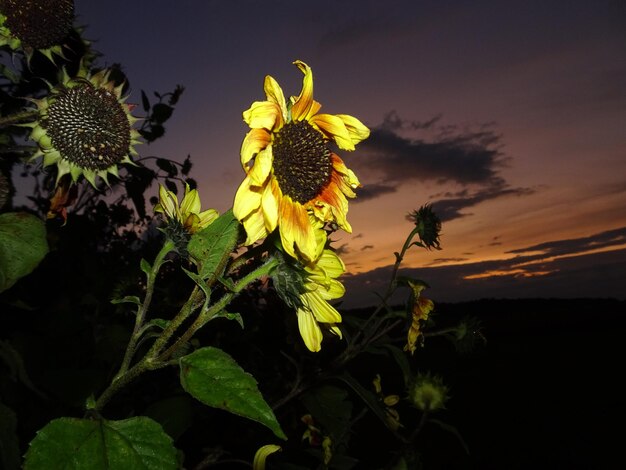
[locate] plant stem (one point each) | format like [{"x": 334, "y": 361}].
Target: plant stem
[
  {"x": 212, "y": 311},
  {"x": 143, "y": 308}
]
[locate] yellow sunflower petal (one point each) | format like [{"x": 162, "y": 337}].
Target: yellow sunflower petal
[
  {"x": 254, "y": 225},
  {"x": 255, "y": 141},
  {"x": 262, "y": 115},
  {"x": 295, "y": 229},
  {"x": 302, "y": 106},
  {"x": 247, "y": 199},
  {"x": 334, "y": 128},
  {"x": 262, "y": 166},
  {"x": 358, "y": 131},
  {"x": 275, "y": 94},
  {"x": 309, "y": 330},
  {"x": 269, "y": 203},
  {"x": 335, "y": 330},
  {"x": 191, "y": 201},
  {"x": 322, "y": 310}
]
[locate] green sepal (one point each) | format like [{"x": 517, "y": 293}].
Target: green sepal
[
  {"x": 137, "y": 443},
  {"x": 145, "y": 266},
  {"x": 23, "y": 246},
  {"x": 214, "y": 378}
]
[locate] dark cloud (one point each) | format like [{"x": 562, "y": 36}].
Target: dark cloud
[
  {"x": 559, "y": 247},
  {"x": 371, "y": 191},
  {"x": 448, "y": 209},
  {"x": 367, "y": 247},
  {"x": 562, "y": 268},
  {"x": 470, "y": 158}
]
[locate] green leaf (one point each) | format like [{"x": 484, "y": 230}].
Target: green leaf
[
  {"x": 9, "y": 447},
  {"x": 231, "y": 316},
  {"x": 210, "y": 248},
  {"x": 22, "y": 246},
  {"x": 145, "y": 267},
  {"x": 213, "y": 377},
  {"x": 72, "y": 443}
]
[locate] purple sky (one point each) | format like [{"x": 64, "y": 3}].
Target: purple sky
[{"x": 509, "y": 116}]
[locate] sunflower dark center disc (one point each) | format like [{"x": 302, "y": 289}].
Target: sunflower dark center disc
[
  {"x": 89, "y": 127},
  {"x": 302, "y": 162},
  {"x": 39, "y": 24}
]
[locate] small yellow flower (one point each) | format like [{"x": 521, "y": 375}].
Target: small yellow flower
[
  {"x": 291, "y": 171},
  {"x": 320, "y": 285},
  {"x": 188, "y": 212}
]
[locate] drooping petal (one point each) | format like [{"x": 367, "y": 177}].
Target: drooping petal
[
  {"x": 309, "y": 330},
  {"x": 247, "y": 199},
  {"x": 295, "y": 229},
  {"x": 302, "y": 106},
  {"x": 255, "y": 141},
  {"x": 358, "y": 131},
  {"x": 254, "y": 225},
  {"x": 334, "y": 128},
  {"x": 322, "y": 310},
  {"x": 269, "y": 203}
]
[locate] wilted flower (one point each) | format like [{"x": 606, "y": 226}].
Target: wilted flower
[
  {"x": 420, "y": 308},
  {"x": 291, "y": 172},
  {"x": 84, "y": 127},
  {"x": 428, "y": 226}
]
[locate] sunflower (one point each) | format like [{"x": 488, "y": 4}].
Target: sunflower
[
  {"x": 187, "y": 213},
  {"x": 291, "y": 171},
  {"x": 31, "y": 25},
  {"x": 84, "y": 127},
  {"x": 320, "y": 285}
]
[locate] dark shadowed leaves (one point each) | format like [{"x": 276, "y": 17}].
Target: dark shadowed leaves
[{"x": 22, "y": 246}]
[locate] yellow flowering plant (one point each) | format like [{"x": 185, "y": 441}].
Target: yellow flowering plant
[{"x": 209, "y": 295}]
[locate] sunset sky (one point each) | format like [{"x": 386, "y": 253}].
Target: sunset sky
[{"x": 509, "y": 117}]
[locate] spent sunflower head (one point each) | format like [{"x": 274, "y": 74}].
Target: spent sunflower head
[
  {"x": 36, "y": 25},
  {"x": 84, "y": 127},
  {"x": 428, "y": 393},
  {"x": 187, "y": 213},
  {"x": 292, "y": 173}
]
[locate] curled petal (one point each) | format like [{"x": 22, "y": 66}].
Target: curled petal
[
  {"x": 255, "y": 227},
  {"x": 301, "y": 108},
  {"x": 190, "y": 202},
  {"x": 262, "y": 166},
  {"x": 275, "y": 94},
  {"x": 322, "y": 310},
  {"x": 269, "y": 203},
  {"x": 255, "y": 141}
]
